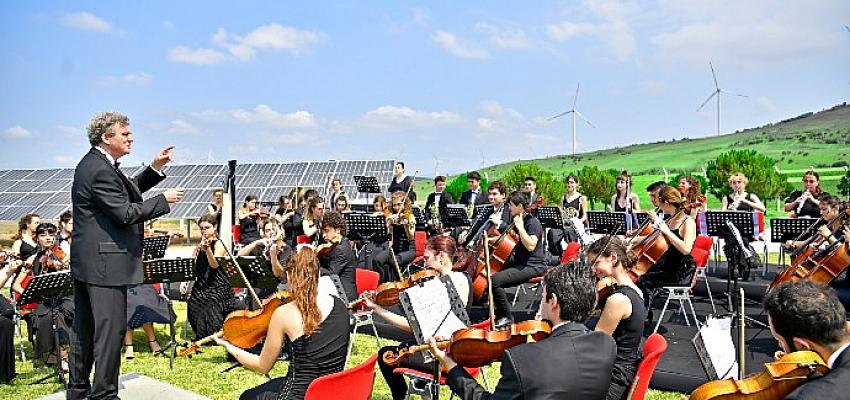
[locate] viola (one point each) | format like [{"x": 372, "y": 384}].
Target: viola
[
  {"x": 475, "y": 347},
  {"x": 819, "y": 266},
  {"x": 778, "y": 379},
  {"x": 387, "y": 293},
  {"x": 649, "y": 249},
  {"x": 243, "y": 328}
]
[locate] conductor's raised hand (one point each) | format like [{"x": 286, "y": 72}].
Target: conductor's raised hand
[
  {"x": 173, "y": 195},
  {"x": 162, "y": 158}
]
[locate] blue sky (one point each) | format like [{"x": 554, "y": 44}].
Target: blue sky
[{"x": 459, "y": 83}]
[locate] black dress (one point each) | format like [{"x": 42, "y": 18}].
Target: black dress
[
  {"x": 248, "y": 230},
  {"x": 403, "y": 186},
  {"x": 145, "y": 305},
  {"x": 809, "y": 208},
  {"x": 628, "y": 337},
  {"x": 672, "y": 269},
  {"x": 211, "y": 299},
  {"x": 319, "y": 354},
  {"x": 7, "y": 344},
  {"x": 741, "y": 206}
]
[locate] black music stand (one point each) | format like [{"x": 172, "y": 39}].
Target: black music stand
[
  {"x": 785, "y": 229},
  {"x": 367, "y": 184},
  {"x": 453, "y": 215},
  {"x": 743, "y": 221},
  {"x": 606, "y": 223},
  {"x": 550, "y": 217},
  {"x": 44, "y": 288},
  {"x": 481, "y": 211},
  {"x": 362, "y": 208},
  {"x": 154, "y": 246},
  {"x": 363, "y": 227},
  {"x": 419, "y": 216},
  {"x": 165, "y": 271},
  {"x": 258, "y": 271}
]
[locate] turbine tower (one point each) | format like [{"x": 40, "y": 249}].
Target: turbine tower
[
  {"x": 717, "y": 92},
  {"x": 575, "y": 113}
]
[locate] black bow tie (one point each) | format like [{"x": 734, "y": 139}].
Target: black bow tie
[{"x": 116, "y": 164}]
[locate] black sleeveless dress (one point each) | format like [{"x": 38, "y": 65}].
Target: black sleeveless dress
[
  {"x": 211, "y": 298},
  {"x": 628, "y": 337},
  {"x": 619, "y": 208},
  {"x": 741, "y": 206},
  {"x": 575, "y": 203},
  {"x": 672, "y": 269},
  {"x": 311, "y": 357}
]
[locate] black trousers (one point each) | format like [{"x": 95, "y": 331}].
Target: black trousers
[
  {"x": 100, "y": 321},
  {"x": 382, "y": 264},
  {"x": 7, "y": 350},
  {"x": 509, "y": 277},
  {"x": 396, "y": 383}
]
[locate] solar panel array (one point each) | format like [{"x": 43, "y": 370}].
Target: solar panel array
[{"x": 47, "y": 192}]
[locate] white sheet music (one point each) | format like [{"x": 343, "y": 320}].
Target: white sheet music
[
  {"x": 433, "y": 310},
  {"x": 714, "y": 345},
  {"x": 326, "y": 285}
]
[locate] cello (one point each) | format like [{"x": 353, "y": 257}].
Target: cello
[{"x": 649, "y": 249}]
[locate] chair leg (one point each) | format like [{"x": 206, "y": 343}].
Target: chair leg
[
  {"x": 351, "y": 341},
  {"x": 516, "y": 294},
  {"x": 377, "y": 338},
  {"x": 684, "y": 312},
  {"x": 691, "y": 304},
  {"x": 486, "y": 383},
  {"x": 661, "y": 316},
  {"x": 710, "y": 297},
  {"x": 20, "y": 335}
]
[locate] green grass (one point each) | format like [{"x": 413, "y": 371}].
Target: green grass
[{"x": 202, "y": 373}]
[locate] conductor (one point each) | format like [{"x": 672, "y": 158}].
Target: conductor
[{"x": 106, "y": 253}]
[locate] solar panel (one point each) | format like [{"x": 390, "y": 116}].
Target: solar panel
[
  {"x": 34, "y": 199},
  {"x": 51, "y": 211},
  {"x": 213, "y": 169},
  {"x": 42, "y": 174},
  {"x": 17, "y": 174},
  {"x": 66, "y": 173},
  {"x": 54, "y": 185},
  {"x": 23, "y": 186},
  {"x": 131, "y": 171},
  {"x": 14, "y": 213},
  {"x": 3, "y": 173}
]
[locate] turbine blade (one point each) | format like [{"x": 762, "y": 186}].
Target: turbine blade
[
  {"x": 734, "y": 94},
  {"x": 706, "y": 100},
  {"x": 713, "y": 75},
  {"x": 585, "y": 119},
  {"x": 559, "y": 115},
  {"x": 575, "y": 99}
]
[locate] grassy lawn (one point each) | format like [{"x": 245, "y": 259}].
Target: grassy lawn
[{"x": 202, "y": 373}]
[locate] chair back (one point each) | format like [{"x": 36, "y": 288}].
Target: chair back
[
  {"x": 571, "y": 252},
  {"x": 701, "y": 250},
  {"x": 365, "y": 280},
  {"x": 419, "y": 240},
  {"x": 351, "y": 384},
  {"x": 653, "y": 349}
]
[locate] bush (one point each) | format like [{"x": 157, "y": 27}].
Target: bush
[
  {"x": 844, "y": 184},
  {"x": 458, "y": 185},
  {"x": 759, "y": 169},
  {"x": 597, "y": 185},
  {"x": 548, "y": 185}
]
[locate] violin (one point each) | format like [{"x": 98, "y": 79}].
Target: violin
[
  {"x": 778, "y": 379},
  {"x": 387, "y": 293},
  {"x": 243, "y": 328},
  {"x": 324, "y": 249},
  {"x": 605, "y": 288},
  {"x": 475, "y": 347},
  {"x": 51, "y": 256}
]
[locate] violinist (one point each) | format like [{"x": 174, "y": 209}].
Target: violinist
[
  {"x": 48, "y": 258},
  {"x": 676, "y": 267},
  {"x": 499, "y": 219},
  {"x": 248, "y": 215},
  {"x": 340, "y": 260},
  {"x": 271, "y": 246},
  {"x": 441, "y": 253},
  {"x": 804, "y": 203},
  {"x": 401, "y": 182},
  {"x": 7, "y": 327},
  {"x": 529, "y": 186},
  {"x": 572, "y": 362},
  {"x": 828, "y": 209},
  {"x": 625, "y": 200},
  {"x": 623, "y": 312},
  {"x": 314, "y": 323},
  {"x": 528, "y": 258},
  {"x": 218, "y": 201},
  {"x": 691, "y": 189},
  {"x": 311, "y": 223},
  {"x": 740, "y": 199},
  {"x": 66, "y": 227},
  {"x": 438, "y": 199},
  {"x": 25, "y": 243},
  {"x": 804, "y": 315},
  {"x": 211, "y": 296},
  {"x": 474, "y": 195},
  {"x": 400, "y": 225},
  {"x": 290, "y": 219},
  {"x": 341, "y": 204},
  {"x": 336, "y": 185}
]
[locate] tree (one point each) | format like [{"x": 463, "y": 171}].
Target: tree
[
  {"x": 597, "y": 185},
  {"x": 760, "y": 170},
  {"x": 458, "y": 185},
  {"x": 844, "y": 184},
  {"x": 703, "y": 183},
  {"x": 548, "y": 185}
]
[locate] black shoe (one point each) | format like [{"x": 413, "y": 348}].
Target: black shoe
[{"x": 503, "y": 323}]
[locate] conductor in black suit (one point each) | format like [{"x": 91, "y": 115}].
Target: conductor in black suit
[
  {"x": 474, "y": 195},
  {"x": 571, "y": 363},
  {"x": 106, "y": 253},
  {"x": 804, "y": 315}
]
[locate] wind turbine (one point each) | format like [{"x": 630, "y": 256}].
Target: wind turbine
[
  {"x": 575, "y": 113},
  {"x": 437, "y": 163},
  {"x": 717, "y": 92}
]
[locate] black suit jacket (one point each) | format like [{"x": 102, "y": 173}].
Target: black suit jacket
[
  {"x": 108, "y": 212},
  {"x": 832, "y": 385},
  {"x": 445, "y": 198},
  {"x": 342, "y": 261},
  {"x": 481, "y": 198},
  {"x": 572, "y": 363}
]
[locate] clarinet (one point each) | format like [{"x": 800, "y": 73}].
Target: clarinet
[{"x": 800, "y": 205}]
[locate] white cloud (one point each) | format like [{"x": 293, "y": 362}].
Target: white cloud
[
  {"x": 504, "y": 37},
  {"x": 133, "y": 79},
  {"x": 495, "y": 109},
  {"x": 18, "y": 132},
  {"x": 765, "y": 104},
  {"x": 243, "y": 149},
  {"x": 87, "y": 22},
  {"x": 461, "y": 49},
  {"x": 391, "y": 117},
  {"x": 539, "y": 138},
  {"x": 263, "y": 116},
  {"x": 179, "y": 126},
  {"x": 613, "y": 27},
  {"x": 182, "y": 54},
  {"x": 489, "y": 125},
  {"x": 421, "y": 17}
]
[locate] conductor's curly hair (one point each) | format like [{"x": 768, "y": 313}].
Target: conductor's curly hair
[{"x": 103, "y": 123}]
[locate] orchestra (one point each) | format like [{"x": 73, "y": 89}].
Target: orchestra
[{"x": 594, "y": 308}]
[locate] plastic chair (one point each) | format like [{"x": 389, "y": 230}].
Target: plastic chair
[
  {"x": 653, "y": 349},
  {"x": 364, "y": 280},
  {"x": 352, "y": 384},
  {"x": 700, "y": 252},
  {"x": 571, "y": 252},
  {"x": 422, "y": 383},
  {"x": 419, "y": 241},
  {"x": 682, "y": 294}
]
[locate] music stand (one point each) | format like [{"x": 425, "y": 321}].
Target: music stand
[
  {"x": 367, "y": 184},
  {"x": 454, "y": 215},
  {"x": 607, "y": 223},
  {"x": 419, "y": 216},
  {"x": 482, "y": 211},
  {"x": 362, "y": 208},
  {"x": 154, "y": 246},
  {"x": 785, "y": 229},
  {"x": 743, "y": 221},
  {"x": 258, "y": 271},
  {"x": 363, "y": 227},
  {"x": 165, "y": 271},
  {"x": 44, "y": 288},
  {"x": 549, "y": 216}
]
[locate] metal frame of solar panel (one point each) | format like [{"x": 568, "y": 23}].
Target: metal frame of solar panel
[{"x": 48, "y": 192}]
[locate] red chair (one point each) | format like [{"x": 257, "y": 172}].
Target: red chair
[
  {"x": 352, "y": 384},
  {"x": 419, "y": 240},
  {"x": 700, "y": 252},
  {"x": 237, "y": 233},
  {"x": 420, "y": 383},
  {"x": 571, "y": 252},
  {"x": 653, "y": 349},
  {"x": 302, "y": 239},
  {"x": 365, "y": 280}
]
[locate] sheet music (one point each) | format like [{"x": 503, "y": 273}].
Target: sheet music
[
  {"x": 326, "y": 285},
  {"x": 714, "y": 346},
  {"x": 433, "y": 310}
]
